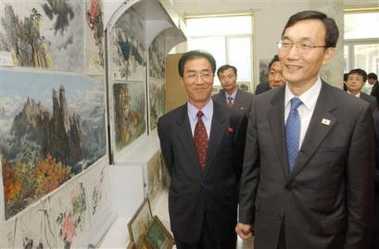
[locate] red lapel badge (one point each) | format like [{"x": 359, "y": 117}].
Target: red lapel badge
[{"x": 230, "y": 130}]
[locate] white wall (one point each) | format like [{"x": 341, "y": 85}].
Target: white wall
[{"x": 110, "y": 6}]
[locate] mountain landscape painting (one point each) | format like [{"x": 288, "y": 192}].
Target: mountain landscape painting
[{"x": 52, "y": 127}]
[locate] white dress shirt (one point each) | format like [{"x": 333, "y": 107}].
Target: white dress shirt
[
  {"x": 207, "y": 117},
  {"x": 309, "y": 99},
  {"x": 358, "y": 95},
  {"x": 232, "y": 96}
]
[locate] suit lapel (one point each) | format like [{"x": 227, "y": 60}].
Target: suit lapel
[
  {"x": 216, "y": 134},
  {"x": 321, "y": 123},
  {"x": 185, "y": 135},
  {"x": 276, "y": 119}
]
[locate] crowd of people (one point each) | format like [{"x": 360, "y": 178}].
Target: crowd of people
[{"x": 292, "y": 165}]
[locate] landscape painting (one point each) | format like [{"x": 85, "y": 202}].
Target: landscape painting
[
  {"x": 95, "y": 37},
  {"x": 156, "y": 80},
  {"x": 129, "y": 112},
  {"x": 52, "y": 127},
  {"x": 43, "y": 33},
  {"x": 155, "y": 176},
  {"x": 128, "y": 51}
]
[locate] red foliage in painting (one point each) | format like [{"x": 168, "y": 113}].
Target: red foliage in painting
[
  {"x": 12, "y": 185},
  {"x": 49, "y": 175}
]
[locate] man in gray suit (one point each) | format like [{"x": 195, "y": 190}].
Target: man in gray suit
[
  {"x": 202, "y": 144},
  {"x": 307, "y": 180},
  {"x": 230, "y": 94}
]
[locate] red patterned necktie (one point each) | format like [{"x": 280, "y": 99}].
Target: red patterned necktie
[{"x": 201, "y": 140}]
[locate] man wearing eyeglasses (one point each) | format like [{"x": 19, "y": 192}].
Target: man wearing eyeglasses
[
  {"x": 202, "y": 143},
  {"x": 307, "y": 180}
]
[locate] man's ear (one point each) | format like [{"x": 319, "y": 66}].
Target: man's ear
[{"x": 328, "y": 55}]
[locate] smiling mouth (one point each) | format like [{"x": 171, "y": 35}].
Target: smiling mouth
[{"x": 293, "y": 67}]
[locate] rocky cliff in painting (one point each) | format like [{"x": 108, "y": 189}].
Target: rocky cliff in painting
[{"x": 57, "y": 134}]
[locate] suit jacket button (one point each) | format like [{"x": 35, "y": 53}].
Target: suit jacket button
[{"x": 288, "y": 186}]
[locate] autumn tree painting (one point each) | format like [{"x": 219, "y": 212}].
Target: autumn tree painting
[{"x": 46, "y": 141}]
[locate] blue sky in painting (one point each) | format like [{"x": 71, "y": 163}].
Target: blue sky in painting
[{"x": 38, "y": 85}]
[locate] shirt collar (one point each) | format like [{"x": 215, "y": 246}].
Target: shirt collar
[
  {"x": 233, "y": 95},
  {"x": 207, "y": 110},
  {"x": 309, "y": 97},
  {"x": 358, "y": 95}
]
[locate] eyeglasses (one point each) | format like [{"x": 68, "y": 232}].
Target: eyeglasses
[
  {"x": 194, "y": 75},
  {"x": 303, "y": 47}
]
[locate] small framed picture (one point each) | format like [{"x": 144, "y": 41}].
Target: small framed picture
[
  {"x": 140, "y": 222},
  {"x": 157, "y": 236}
]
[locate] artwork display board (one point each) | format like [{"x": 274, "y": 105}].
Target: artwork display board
[{"x": 61, "y": 112}]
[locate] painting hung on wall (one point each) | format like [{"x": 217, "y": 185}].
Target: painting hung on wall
[
  {"x": 43, "y": 33},
  {"x": 33, "y": 229},
  {"x": 157, "y": 55},
  {"x": 70, "y": 215},
  {"x": 157, "y": 100},
  {"x": 95, "y": 37},
  {"x": 52, "y": 128},
  {"x": 95, "y": 184},
  {"x": 263, "y": 71},
  {"x": 128, "y": 52},
  {"x": 156, "y": 79},
  {"x": 156, "y": 176},
  {"x": 129, "y": 112}
]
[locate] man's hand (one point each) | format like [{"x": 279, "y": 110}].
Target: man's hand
[{"x": 244, "y": 231}]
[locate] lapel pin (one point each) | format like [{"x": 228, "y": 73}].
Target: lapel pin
[{"x": 325, "y": 121}]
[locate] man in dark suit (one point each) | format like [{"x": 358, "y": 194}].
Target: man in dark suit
[
  {"x": 307, "y": 179},
  {"x": 274, "y": 76},
  {"x": 230, "y": 94},
  {"x": 355, "y": 81},
  {"x": 204, "y": 172}
]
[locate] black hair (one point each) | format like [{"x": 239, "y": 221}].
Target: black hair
[
  {"x": 194, "y": 54},
  {"x": 273, "y": 60},
  {"x": 330, "y": 25},
  {"x": 226, "y": 67},
  {"x": 360, "y": 72},
  {"x": 372, "y": 76}
]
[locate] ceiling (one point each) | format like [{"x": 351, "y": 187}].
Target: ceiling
[{"x": 197, "y": 7}]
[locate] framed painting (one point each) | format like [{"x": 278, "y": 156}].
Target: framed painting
[
  {"x": 140, "y": 222},
  {"x": 128, "y": 52},
  {"x": 128, "y": 112},
  {"x": 157, "y": 236},
  {"x": 43, "y": 34},
  {"x": 52, "y": 128}
]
